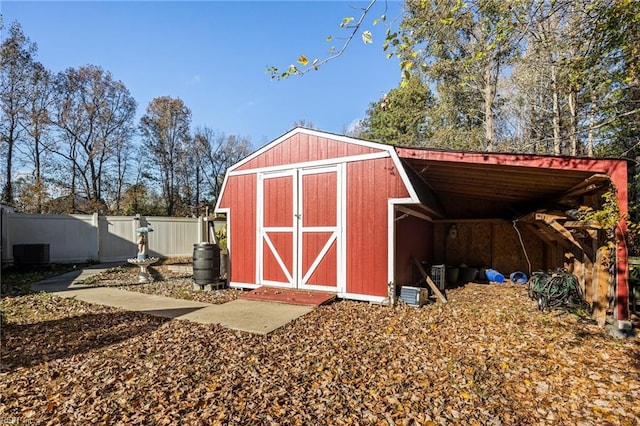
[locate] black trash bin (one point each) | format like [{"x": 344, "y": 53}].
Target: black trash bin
[{"x": 206, "y": 263}]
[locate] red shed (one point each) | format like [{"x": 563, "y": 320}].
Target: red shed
[{"x": 317, "y": 211}]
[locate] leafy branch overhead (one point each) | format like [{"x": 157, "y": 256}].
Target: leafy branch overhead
[{"x": 350, "y": 23}]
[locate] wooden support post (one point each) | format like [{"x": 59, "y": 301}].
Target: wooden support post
[
  {"x": 601, "y": 279},
  {"x": 430, "y": 282},
  {"x": 579, "y": 270},
  {"x": 588, "y": 278}
]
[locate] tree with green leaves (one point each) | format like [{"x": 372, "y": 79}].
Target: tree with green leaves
[
  {"x": 400, "y": 117},
  {"x": 465, "y": 48},
  {"x": 165, "y": 129}
]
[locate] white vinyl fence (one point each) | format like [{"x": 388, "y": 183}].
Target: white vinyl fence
[{"x": 81, "y": 238}]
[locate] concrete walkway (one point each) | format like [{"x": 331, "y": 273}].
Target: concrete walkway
[{"x": 244, "y": 315}]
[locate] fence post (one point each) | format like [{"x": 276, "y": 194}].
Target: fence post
[
  {"x": 135, "y": 224},
  {"x": 95, "y": 222},
  {"x": 202, "y": 229},
  {"x": 4, "y": 237}
]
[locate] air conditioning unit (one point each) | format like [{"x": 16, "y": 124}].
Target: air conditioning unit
[
  {"x": 31, "y": 254},
  {"x": 414, "y": 296}
]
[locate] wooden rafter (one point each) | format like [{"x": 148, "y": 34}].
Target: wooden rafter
[{"x": 590, "y": 184}]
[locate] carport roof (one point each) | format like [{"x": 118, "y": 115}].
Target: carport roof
[{"x": 486, "y": 185}]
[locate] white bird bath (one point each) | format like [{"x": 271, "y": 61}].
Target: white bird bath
[
  {"x": 143, "y": 275},
  {"x": 143, "y": 260}
]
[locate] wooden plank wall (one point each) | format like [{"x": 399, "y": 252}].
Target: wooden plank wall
[{"x": 489, "y": 244}]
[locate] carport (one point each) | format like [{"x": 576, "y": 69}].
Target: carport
[{"x": 514, "y": 212}]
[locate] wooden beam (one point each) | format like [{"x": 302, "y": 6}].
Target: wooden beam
[
  {"x": 581, "y": 224},
  {"x": 581, "y": 191},
  {"x": 412, "y": 212},
  {"x": 482, "y": 193},
  {"x": 528, "y": 218},
  {"x": 594, "y": 179},
  {"x": 430, "y": 282},
  {"x": 590, "y": 184},
  {"x": 477, "y": 179},
  {"x": 568, "y": 236},
  {"x": 548, "y": 217},
  {"x": 486, "y": 220},
  {"x": 540, "y": 234},
  {"x": 493, "y": 168},
  {"x": 547, "y": 231}
]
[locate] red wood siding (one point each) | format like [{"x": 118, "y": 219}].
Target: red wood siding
[
  {"x": 618, "y": 174},
  {"x": 319, "y": 204},
  {"x": 278, "y": 201},
  {"x": 240, "y": 197},
  {"x": 414, "y": 240},
  {"x": 326, "y": 273},
  {"x": 369, "y": 186},
  {"x": 523, "y": 160},
  {"x": 319, "y": 210},
  {"x": 302, "y": 147},
  {"x": 283, "y": 244}
]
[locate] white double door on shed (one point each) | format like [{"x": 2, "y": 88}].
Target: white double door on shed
[{"x": 300, "y": 219}]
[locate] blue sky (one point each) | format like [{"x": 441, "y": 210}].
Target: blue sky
[{"x": 213, "y": 55}]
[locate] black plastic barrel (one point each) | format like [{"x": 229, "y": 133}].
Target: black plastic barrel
[{"x": 206, "y": 263}]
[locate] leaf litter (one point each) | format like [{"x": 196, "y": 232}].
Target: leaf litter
[{"x": 489, "y": 356}]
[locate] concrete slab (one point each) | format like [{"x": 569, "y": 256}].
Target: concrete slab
[
  {"x": 73, "y": 279},
  {"x": 249, "y": 315},
  {"x": 244, "y": 315},
  {"x": 129, "y": 300}
]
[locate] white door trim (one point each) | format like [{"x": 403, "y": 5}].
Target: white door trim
[
  {"x": 335, "y": 230},
  {"x": 263, "y": 232}
]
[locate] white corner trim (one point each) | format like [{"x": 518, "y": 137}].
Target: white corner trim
[
  {"x": 362, "y": 297},
  {"x": 235, "y": 284},
  {"x": 391, "y": 239},
  {"x": 223, "y": 188}
]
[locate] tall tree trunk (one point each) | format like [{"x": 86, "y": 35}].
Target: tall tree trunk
[
  {"x": 11, "y": 138},
  {"x": 489, "y": 97},
  {"x": 557, "y": 142},
  {"x": 592, "y": 123},
  {"x": 38, "y": 172},
  {"x": 73, "y": 188},
  {"x": 573, "y": 129},
  {"x": 7, "y": 190},
  {"x": 197, "y": 200}
]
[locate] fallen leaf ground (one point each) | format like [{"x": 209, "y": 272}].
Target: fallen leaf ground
[
  {"x": 487, "y": 357},
  {"x": 165, "y": 282}
]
